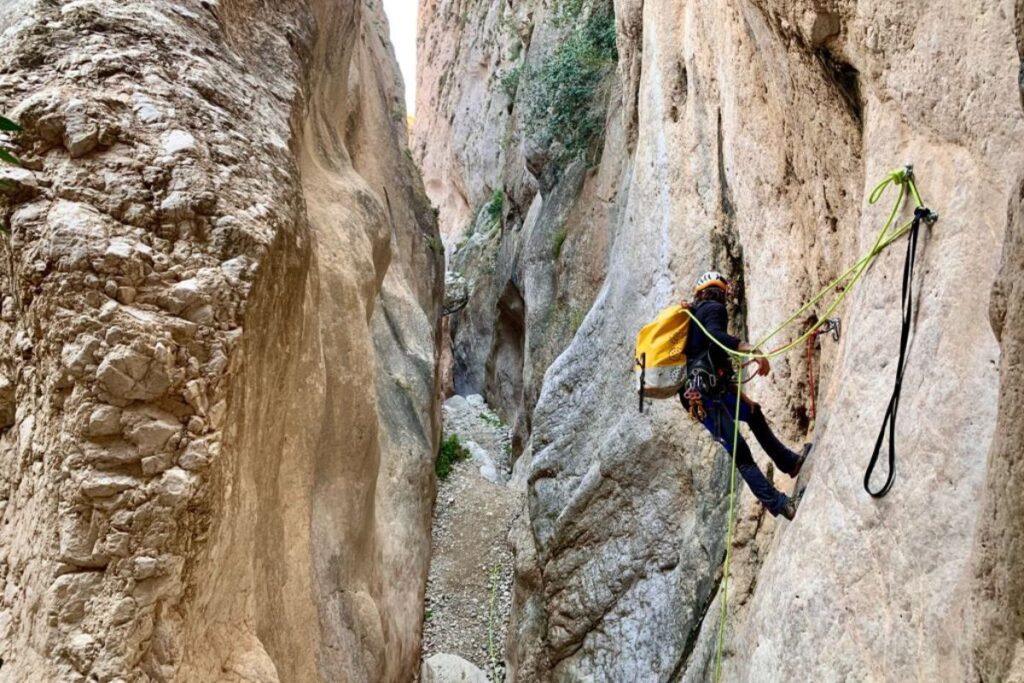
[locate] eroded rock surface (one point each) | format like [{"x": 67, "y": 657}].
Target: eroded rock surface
[{"x": 219, "y": 346}]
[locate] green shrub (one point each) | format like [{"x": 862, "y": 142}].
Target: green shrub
[
  {"x": 510, "y": 81},
  {"x": 576, "y": 316},
  {"x": 495, "y": 205},
  {"x": 452, "y": 451},
  {"x": 567, "y": 10},
  {"x": 565, "y": 87},
  {"x": 557, "y": 241},
  {"x": 8, "y": 126},
  {"x": 491, "y": 419}
]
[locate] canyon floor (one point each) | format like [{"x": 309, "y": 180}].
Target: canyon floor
[{"x": 469, "y": 592}]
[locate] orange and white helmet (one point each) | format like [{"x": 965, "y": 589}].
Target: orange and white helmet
[{"x": 712, "y": 278}]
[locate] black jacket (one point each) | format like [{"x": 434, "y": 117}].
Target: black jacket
[{"x": 715, "y": 317}]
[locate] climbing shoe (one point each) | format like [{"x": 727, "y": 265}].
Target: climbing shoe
[
  {"x": 800, "y": 461},
  {"x": 789, "y": 509}
]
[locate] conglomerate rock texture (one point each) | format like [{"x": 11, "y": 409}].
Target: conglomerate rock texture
[
  {"x": 741, "y": 135},
  {"x": 220, "y": 321}
]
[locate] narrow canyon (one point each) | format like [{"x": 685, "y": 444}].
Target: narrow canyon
[{"x": 296, "y": 386}]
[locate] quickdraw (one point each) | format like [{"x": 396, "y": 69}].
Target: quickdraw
[{"x": 834, "y": 326}]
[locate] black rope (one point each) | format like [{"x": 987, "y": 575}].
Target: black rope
[{"x": 920, "y": 214}]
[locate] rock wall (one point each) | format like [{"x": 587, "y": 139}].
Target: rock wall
[
  {"x": 221, "y": 293},
  {"x": 998, "y": 610},
  {"x": 534, "y": 273},
  {"x": 744, "y": 136}
]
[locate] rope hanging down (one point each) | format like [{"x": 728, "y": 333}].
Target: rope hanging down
[
  {"x": 920, "y": 214},
  {"x": 728, "y": 540},
  {"x": 904, "y": 179}
]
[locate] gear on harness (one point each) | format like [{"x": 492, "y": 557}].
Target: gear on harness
[
  {"x": 702, "y": 380},
  {"x": 698, "y": 385},
  {"x": 696, "y": 405}
]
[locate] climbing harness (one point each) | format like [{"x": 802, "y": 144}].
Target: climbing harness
[
  {"x": 904, "y": 179},
  {"x": 702, "y": 379}
]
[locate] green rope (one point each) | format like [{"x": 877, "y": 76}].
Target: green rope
[
  {"x": 728, "y": 534},
  {"x": 850, "y": 277},
  {"x": 904, "y": 180}
]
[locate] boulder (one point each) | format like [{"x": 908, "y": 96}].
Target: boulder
[{"x": 445, "y": 668}]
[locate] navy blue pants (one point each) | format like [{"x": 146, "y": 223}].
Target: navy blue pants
[{"x": 719, "y": 422}]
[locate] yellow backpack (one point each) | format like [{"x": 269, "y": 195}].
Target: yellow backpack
[{"x": 661, "y": 355}]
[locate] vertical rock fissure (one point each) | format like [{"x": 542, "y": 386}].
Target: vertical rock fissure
[
  {"x": 847, "y": 82},
  {"x": 504, "y": 370},
  {"x": 693, "y": 636},
  {"x": 726, "y": 250}
]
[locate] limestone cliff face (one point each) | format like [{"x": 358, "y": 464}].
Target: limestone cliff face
[
  {"x": 998, "y": 613},
  {"x": 219, "y": 325},
  {"x": 745, "y": 136},
  {"x": 509, "y": 217}
]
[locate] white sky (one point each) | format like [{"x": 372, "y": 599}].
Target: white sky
[{"x": 402, "y": 18}]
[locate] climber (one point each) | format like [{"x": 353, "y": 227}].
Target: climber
[{"x": 710, "y": 395}]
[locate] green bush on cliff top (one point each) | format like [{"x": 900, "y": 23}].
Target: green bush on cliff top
[{"x": 564, "y": 97}]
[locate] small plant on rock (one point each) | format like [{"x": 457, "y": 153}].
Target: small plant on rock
[
  {"x": 8, "y": 126},
  {"x": 495, "y": 206},
  {"x": 452, "y": 451},
  {"x": 491, "y": 419},
  {"x": 510, "y": 81},
  {"x": 576, "y": 316},
  {"x": 7, "y": 156},
  {"x": 557, "y": 240}
]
